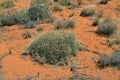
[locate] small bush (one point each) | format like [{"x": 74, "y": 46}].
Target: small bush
[
  {"x": 115, "y": 60},
  {"x": 21, "y": 17},
  {"x": 88, "y": 10},
  {"x": 26, "y": 35},
  {"x": 95, "y": 22},
  {"x": 71, "y": 23},
  {"x": 64, "y": 24},
  {"x": 103, "y": 1},
  {"x": 51, "y": 19},
  {"x": 104, "y": 61},
  {"x": 57, "y": 8},
  {"x": 7, "y": 4},
  {"x": 7, "y": 18},
  {"x": 40, "y": 11},
  {"x": 106, "y": 27},
  {"x": 65, "y": 2},
  {"x": 52, "y": 47}
]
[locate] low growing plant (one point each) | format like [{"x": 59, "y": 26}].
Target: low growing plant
[
  {"x": 88, "y": 10},
  {"x": 106, "y": 27},
  {"x": 52, "y": 47}
]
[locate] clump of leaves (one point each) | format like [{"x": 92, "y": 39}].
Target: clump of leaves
[
  {"x": 106, "y": 27},
  {"x": 40, "y": 11},
  {"x": 64, "y": 24},
  {"x": 7, "y": 4},
  {"x": 65, "y": 2},
  {"x": 52, "y": 47},
  {"x": 88, "y": 11}
]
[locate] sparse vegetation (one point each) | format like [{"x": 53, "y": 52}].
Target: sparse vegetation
[
  {"x": 88, "y": 10},
  {"x": 95, "y": 21},
  {"x": 26, "y": 35},
  {"x": 57, "y": 7},
  {"x": 65, "y": 2},
  {"x": 51, "y": 19},
  {"x": 7, "y": 4},
  {"x": 64, "y": 24},
  {"x": 106, "y": 27},
  {"x": 53, "y": 47}
]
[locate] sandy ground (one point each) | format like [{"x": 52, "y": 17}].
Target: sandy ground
[{"x": 14, "y": 66}]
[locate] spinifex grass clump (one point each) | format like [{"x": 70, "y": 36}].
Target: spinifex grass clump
[
  {"x": 106, "y": 27},
  {"x": 88, "y": 11},
  {"x": 54, "y": 47},
  {"x": 21, "y": 17},
  {"x": 39, "y": 11},
  {"x": 113, "y": 60},
  {"x": 65, "y": 24}
]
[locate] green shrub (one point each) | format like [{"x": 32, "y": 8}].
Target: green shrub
[
  {"x": 88, "y": 11},
  {"x": 95, "y": 22},
  {"x": 52, "y": 47},
  {"x": 26, "y": 34},
  {"x": 71, "y": 23},
  {"x": 21, "y": 17},
  {"x": 40, "y": 11},
  {"x": 6, "y": 18},
  {"x": 7, "y": 4},
  {"x": 65, "y": 2},
  {"x": 106, "y": 27},
  {"x": 115, "y": 60},
  {"x": 103, "y": 1},
  {"x": 57, "y": 7},
  {"x": 64, "y": 24},
  {"x": 103, "y": 61}
]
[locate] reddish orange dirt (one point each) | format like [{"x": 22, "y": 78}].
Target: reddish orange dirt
[{"x": 14, "y": 66}]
